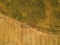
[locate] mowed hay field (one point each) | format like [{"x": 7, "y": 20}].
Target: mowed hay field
[{"x": 11, "y": 33}]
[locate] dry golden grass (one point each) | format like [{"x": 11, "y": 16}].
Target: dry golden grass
[
  {"x": 43, "y": 14},
  {"x": 11, "y": 33}
]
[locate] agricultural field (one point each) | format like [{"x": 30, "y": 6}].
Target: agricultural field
[
  {"x": 41, "y": 15},
  {"x": 11, "y": 33}
]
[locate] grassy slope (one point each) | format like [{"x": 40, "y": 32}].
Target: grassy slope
[
  {"x": 11, "y": 33},
  {"x": 34, "y": 12}
]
